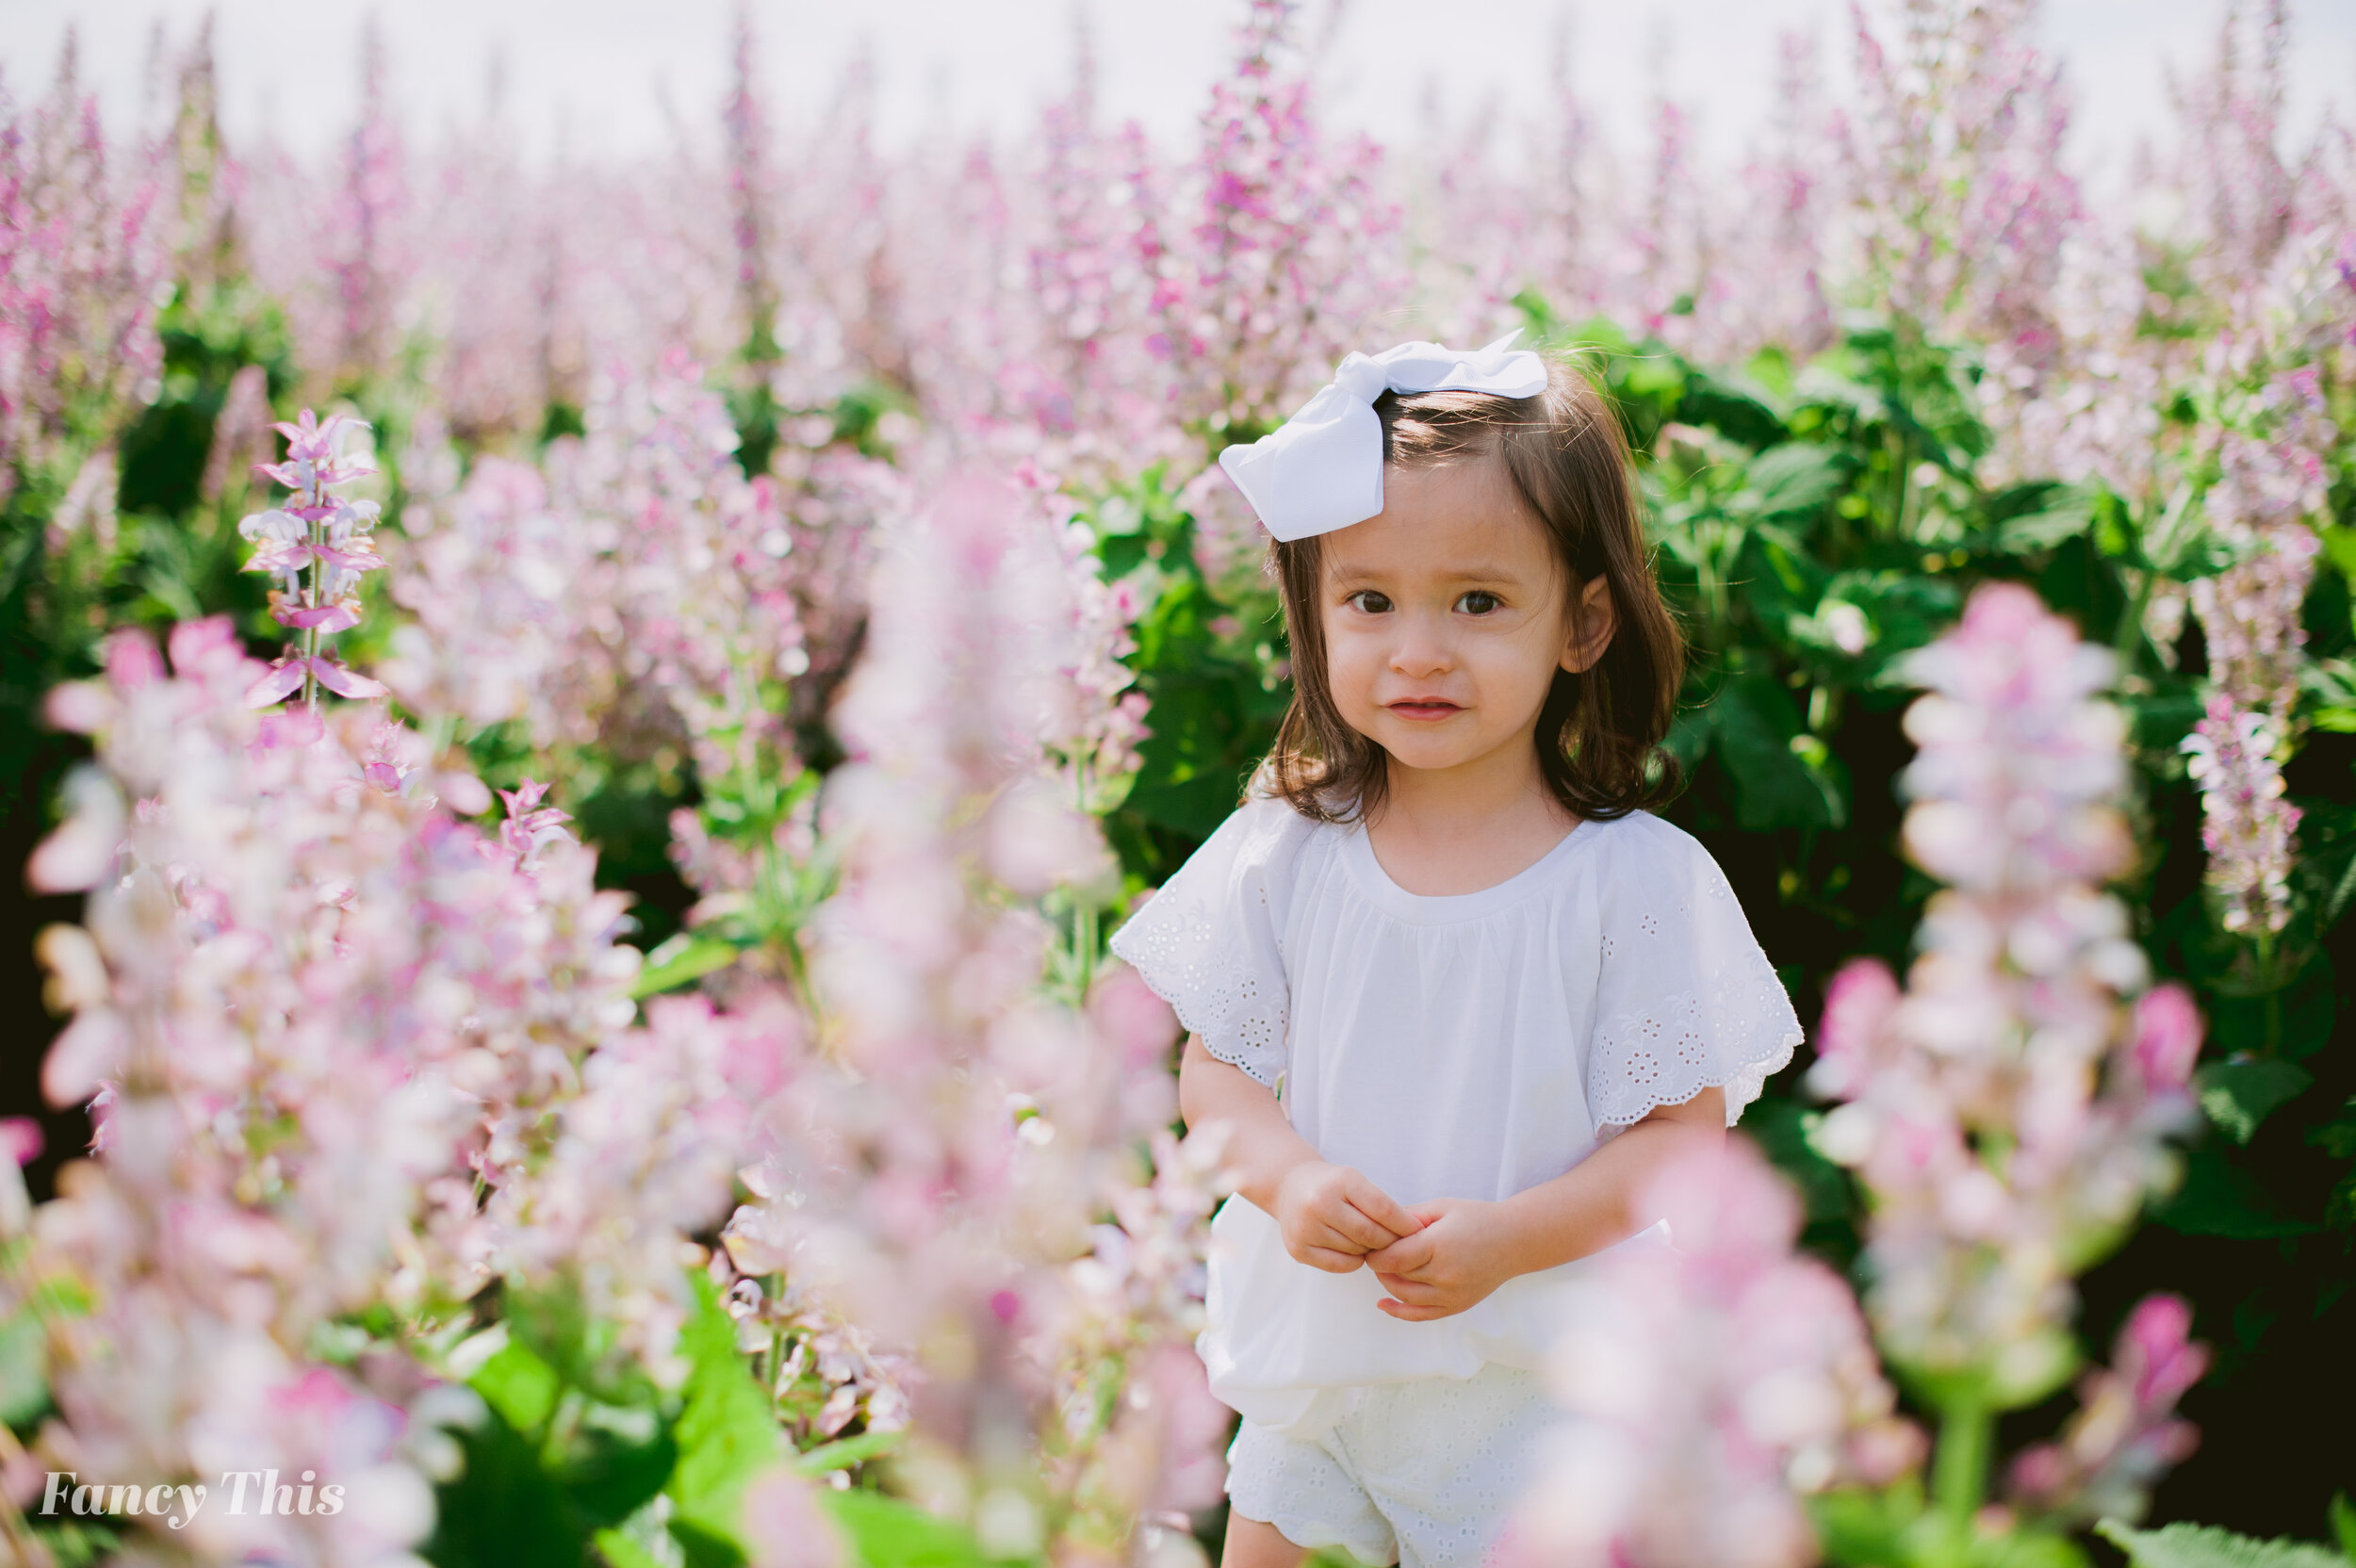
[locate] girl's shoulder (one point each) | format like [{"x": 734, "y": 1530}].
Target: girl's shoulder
[
  {"x": 1256, "y": 848},
  {"x": 1236, "y": 888},
  {"x": 1642, "y": 850},
  {"x": 1265, "y": 833}
]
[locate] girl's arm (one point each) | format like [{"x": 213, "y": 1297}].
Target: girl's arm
[
  {"x": 1466, "y": 1248},
  {"x": 1331, "y": 1215}
]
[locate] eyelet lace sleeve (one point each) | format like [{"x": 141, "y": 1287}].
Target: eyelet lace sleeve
[
  {"x": 1207, "y": 942},
  {"x": 1686, "y": 1000}
]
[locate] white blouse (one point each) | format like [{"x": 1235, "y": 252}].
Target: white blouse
[{"x": 1468, "y": 1045}]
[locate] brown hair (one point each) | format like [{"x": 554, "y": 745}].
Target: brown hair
[{"x": 1600, "y": 732}]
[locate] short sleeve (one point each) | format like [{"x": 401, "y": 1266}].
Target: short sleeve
[
  {"x": 1685, "y": 998},
  {"x": 1207, "y": 942}
]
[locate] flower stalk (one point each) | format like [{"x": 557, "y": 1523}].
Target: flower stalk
[{"x": 317, "y": 546}]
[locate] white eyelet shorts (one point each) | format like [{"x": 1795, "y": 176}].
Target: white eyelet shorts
[{"x": 1423, "y": 1474}]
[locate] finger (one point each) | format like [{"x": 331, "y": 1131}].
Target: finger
[
  {"x": 1409, "y": 1255},
  {"x": 1344, "y": 1239},
  {"x": 1332, "y": 1261},
  {"x": 1380, "y": 1207},
  {"x": 1414, "y": 1293},
  {"x": 1363, "y": 1231},
  {"x": 1406, "y": 1314}
]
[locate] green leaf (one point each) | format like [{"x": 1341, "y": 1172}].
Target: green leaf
[
  {"x": 2238, "y": 1096},
  {"x": 889, "y": 1533},
  {"x": 2063, "y": 513},
  {"x": 23, "y": 1368},
  {"x": 77, "y": 1546},
  {"x": 1859, "y": 1528},
  {"x": 2219, "y": 1199},
  {"x": 680, "y": 961},
  {"x": 628, "y": 1551},
  {"x": 2292, "y": 1022},
  {"x": 618, "y": 1459},
  {"x": 552, "y": 1463},
  {"x": 2344, "y": 1523},
  {"x": 2183, "y": 1546},
  {"x": 2026, "y": 1549},
  {"x": 643, "y": 1540},
  {"x": 1755, "y": 723},
  {"x": 2339, "y": 547},
  {"x": 727, "y": 1433},
  {"x": 504, "y": 1510},
  {"x": 1798, "y": 476},
  {"x": 519, "y": 1386},
  {"x": 849, "y": 1451}
]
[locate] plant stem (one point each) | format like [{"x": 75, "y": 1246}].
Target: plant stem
[
  {"x": 2127, "y": 642},
  {"x": 1966, "y": 1432},
  {"x": 1085, "y": 941},
  {"x": 2267, "y": 978},
  {"x": 311, "y": 600}
]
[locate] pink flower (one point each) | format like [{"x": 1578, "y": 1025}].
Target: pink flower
[
  {"x": 322, "y": 534},
  {"x": 1706, "y": 1383},
  {"x": 2166, "y": 1035},
  {"x": 2010, "y": 1031},
  {"x": 531, "y": 825},
  {"x": 2125, "y": 1434},
  {"x": 286, "y": 676},
  {"x": 20, "y": 1139}
]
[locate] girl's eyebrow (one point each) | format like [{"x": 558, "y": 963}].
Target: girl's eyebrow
[{"x": 1479, "y": 572}]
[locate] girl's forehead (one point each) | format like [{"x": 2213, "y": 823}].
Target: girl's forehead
[{"x": 1444, "y": 521}]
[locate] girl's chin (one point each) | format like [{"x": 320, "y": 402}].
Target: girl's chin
[{"x": 1416, "y": 746}]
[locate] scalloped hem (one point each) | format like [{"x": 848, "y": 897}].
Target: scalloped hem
[
  {"x": 1751, "y": 1077},
  {"x": 1220, "y": 1051}
]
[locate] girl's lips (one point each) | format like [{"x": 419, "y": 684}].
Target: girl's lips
[{"x": 1424, "y": 708}]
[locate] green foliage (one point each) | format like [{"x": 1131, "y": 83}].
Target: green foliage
[
  {"x": 2201, "y": 1546},
  {"x": 24, "y": 1369},
  {"x": 2238, "y": 1095},
  {"x": 1815, "y": 524},
  {"x": 886, "y": 1532},
  {"x": 208, "y": 333},
  {"x": 581, "y": 1458},
  {"x": 171, "y": 554},
  {"x": 727, "y": 1433},
  {"x": 1208, "y": 658},
  {"x": 74, "y": 1545},
  {"x": 1898, "y": 1527},
  {"x": 572, "y": 1444}
]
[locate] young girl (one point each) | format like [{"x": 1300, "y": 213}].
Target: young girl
[{"x": 1454, "y": 995}]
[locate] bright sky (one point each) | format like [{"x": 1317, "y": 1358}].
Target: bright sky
[{"x": 613, "y": 73}]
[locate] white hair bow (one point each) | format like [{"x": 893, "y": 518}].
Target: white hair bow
[{"x": 1322, "y": 468}]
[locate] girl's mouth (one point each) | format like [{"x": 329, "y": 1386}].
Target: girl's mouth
[{"x": 1425, "y": 708}]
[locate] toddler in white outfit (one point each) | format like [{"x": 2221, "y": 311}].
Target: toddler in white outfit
[{"x": 1454, "y": 994}]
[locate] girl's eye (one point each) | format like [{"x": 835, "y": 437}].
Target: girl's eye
[
  {"x": 1479, "y": 602},
  {"x": 1368, "y": 601}
]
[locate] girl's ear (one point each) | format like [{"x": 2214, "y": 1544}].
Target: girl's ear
[{"x": 1594, "y": 619}]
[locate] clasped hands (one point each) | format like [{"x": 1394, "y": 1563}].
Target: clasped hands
[{"x": 1436, "y": 1259}]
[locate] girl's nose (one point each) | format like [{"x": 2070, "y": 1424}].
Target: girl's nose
[{"x": 1422, "y": 649}]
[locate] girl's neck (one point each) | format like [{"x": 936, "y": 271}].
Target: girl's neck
[{"x": 1459, "y": 830}]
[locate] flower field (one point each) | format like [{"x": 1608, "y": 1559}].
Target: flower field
[{"x": 575, "y": 734}]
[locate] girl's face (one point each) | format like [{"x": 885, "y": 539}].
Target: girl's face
[{"x": 1446, "y": 615}]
